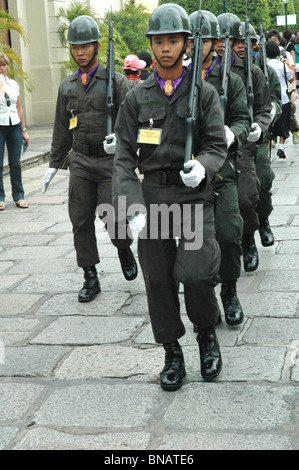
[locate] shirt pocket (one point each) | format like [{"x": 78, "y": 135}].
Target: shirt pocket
[
  {"x": 151, "y": 116},
  {"x": 72, "y": 106}
]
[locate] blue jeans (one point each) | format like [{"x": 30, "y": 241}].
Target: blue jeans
[{"x": 12, "y": 136}]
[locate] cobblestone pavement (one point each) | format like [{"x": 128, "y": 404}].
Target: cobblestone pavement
[{"x": 86, "y": 376}]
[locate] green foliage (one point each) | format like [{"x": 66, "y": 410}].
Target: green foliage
[
  {"x": 15, "y": 71},
  {"x": 75, "y": 9},
  {"x": 131, "y": 23},
  {"x": 257, "y": 10}
]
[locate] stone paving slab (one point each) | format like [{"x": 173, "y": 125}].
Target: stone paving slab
[
  {"x": 88, "y": 330},
  {"x": 86, "y": 376}
]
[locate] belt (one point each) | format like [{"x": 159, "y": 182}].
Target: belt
[
  {"x": 90, "y": 150},
  {"x": 164, "y": 176}
]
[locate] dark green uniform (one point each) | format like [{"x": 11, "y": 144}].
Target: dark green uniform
[
  {"x": 90, "y": 167},
  {"x": 228, "y": 220},
  {"x": 264, "y": 169},
  {"x": 248, "y": 183},
  {"x": 163, "y": 263}
]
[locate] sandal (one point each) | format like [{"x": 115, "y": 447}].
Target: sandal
[
  {"x": 2, "y": 206},
  {"x": 22, "y": 204}
]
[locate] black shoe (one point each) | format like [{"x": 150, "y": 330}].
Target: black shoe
[
  {"x": 281, "y": 154},
  {"x": 91, "y": 286},
  {"x": 128, "y": 264},
  {"x": 250, "y": 254},
  {"x": 171, "y": 377},
  {"x": 210, "y": 357},
  {"x": 232, "y": 308},
  {"x": 266, "y": 234}
]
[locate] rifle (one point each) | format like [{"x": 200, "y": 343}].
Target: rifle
[
  {"x": 196, "y": 82},
  {"x": 263, "y": 54},
  {"x": 225, "y": 70},
  {"x": 110, "y": 79},
  {"x": 248, "y": 69}
]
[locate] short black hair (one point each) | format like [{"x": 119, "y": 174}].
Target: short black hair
[
  {"x": 272, "y": 49},
  {"x": 272, "y": 33},
  {"x": 146, "y": 57}
]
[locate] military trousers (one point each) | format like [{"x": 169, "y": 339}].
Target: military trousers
[
  {"x": 248, "y": 188},
  {"x": 266, "y": 176},
  {"x": 228, "y": 221},
  {"x": 165, "y": 262},
  {"x": 90, "y": 186}
]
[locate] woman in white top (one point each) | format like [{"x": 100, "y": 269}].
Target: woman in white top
[
  {"x": 281, "y": 127},
  {"x": 13, "y": 133}
]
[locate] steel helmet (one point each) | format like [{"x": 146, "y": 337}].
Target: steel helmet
[
  {"x": 210, "y": 26},
  {"x": 235, "y": 28},
  {"x": 252, "y": 33},
  {"x": 83, "y": 30},
  {"x": 168, "y": 18}
]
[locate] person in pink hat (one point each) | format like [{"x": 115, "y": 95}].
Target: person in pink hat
[{"x": 132, "y": 67}]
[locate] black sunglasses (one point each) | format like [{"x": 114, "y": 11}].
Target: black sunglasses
[{"x": 7, "y": 99}]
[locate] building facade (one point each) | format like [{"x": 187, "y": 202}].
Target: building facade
[{"x": 43, "y": 55}]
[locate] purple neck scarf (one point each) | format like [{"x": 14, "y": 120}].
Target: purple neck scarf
[
  {"x": 205, "y": 72},
  {"x": 169, "y": 86},
  {"x": 86, "y": 77}
]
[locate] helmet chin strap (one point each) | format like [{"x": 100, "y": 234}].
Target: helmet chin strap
[
  {"x": 179, "y": 57},
  {"x": 96, "y": 51},
  {"x": 210, "y": 51}
]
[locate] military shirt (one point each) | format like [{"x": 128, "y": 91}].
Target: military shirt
[{"x": 89, "y": 108}]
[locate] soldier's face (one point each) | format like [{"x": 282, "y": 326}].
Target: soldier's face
[
  {"x": 167, "y": 48},
  {"x": 239, "y": 48},
  {"x": 83, "y": 53},
  {"x": 219, "y": 46}
]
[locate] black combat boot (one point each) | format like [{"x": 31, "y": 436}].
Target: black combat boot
[
  {"x": 210, "y": 357},
  {"x": 250, "y": 254},
  {"x": 231, "y": 304},
  {"x": 128, "y": 264},
  {"x": 266, "y": 234},
  {"x": 91, "y": 286},
  {"x": 172, "y": 375}
]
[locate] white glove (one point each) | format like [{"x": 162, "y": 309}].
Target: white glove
[
  {"x": 51, "y": 172},
  {"x": 230, "y": 136},
  {"x": 195, "y": 176},
  {"x": 255, "y": 132},
  {"x": 273, "y": 111},
  {"x": 111, "y": 146},
  {"x": 137, "y": 222}
]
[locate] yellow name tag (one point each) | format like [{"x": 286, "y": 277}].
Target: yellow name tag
[
  {"x": 147, "y": 135},
  {"x": 73, "y": 123}
]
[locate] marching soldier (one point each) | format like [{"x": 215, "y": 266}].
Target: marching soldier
[
  {"x": 264, "y": 169},
  {"x": 228, "y": 220},
  {"x": 152, "y": 119},
  {"x": 248, "y": 183},
  {"x": 79, "y": 137}
]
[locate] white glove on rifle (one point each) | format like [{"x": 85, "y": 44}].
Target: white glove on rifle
[
  {"x": 195, "y": 176},
  {"x": 230, "y": 136},
  {"x": 110, "y": 147},
  {"x": 51, "y": 172},
  {"x": 137, "y": 222},
  {"x": 273, "y": 111},
  {"x": 255, "y": 132}
]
